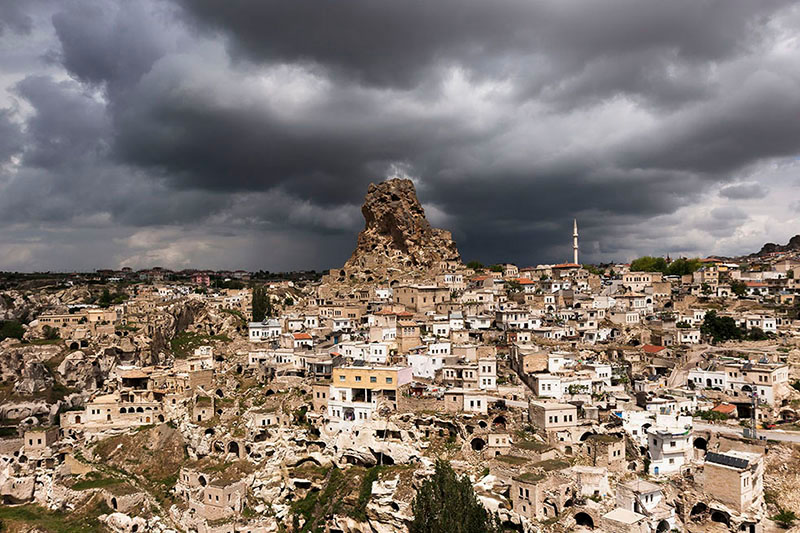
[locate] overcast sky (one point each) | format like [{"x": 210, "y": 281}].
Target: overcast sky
[{"x": 242, "y": 134}]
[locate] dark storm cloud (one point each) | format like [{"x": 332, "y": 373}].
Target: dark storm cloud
[
  {"x": 67, "y": 124},
  {"x": 387, "y": 42},
  {"x": 13, "y": 17},
  {"x": 267, "y": 120},
  {"x": 10, "y": 136},
  {"x": 111, "y": 43}
]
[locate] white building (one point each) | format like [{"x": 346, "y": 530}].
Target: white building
[
  {"x": 264, "y": 331},
  {"x": 669, "y": 443},
  {"x": 547, "y": 386}
]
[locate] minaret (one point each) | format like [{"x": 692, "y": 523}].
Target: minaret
[{"x": 575, "y": 241}]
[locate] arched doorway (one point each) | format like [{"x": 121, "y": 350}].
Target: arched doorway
[
  {"x": 586, "y": 436},
  {"x": 700, "y": 443},
  {"x": 662, "y": 527},
  {"x": 499, "y": 422},
  {"x": 698, "y": 509},
  {"x": 721, "y": 517},
  {"x": 477, "y": 444},
  {"x": 583, "y": 519},
  {"x": 233, "y": 447},
  {"x": 114, "y": 503}
]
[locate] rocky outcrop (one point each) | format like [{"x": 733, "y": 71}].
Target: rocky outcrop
[
  {"x": 35, "y": 378},
  {"x": 23, "y": 305},
  {"x": 770, "y": 248},
  {"x": 397, "y": 236}
]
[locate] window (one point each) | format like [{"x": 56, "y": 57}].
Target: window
[
  {"x": 358, "y": 378},
  {"x": 341, "y": 378},
  {"x": 672, "y": 461},
  {"x": 373, "y": 379},
  {"x": 388, "y": 380}
]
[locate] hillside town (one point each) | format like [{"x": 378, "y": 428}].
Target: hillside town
[{"x": 653, "y": 396}]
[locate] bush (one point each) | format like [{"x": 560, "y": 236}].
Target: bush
[
  {"x": 784, "y": 518},
  {"x": 711, "y": 416},
  {"x": 50, "y": 334}
]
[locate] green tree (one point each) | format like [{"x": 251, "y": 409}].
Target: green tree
[
  {"x": 496, "y": 268},
  {"x": 784, "y": 518},
  {"x": 593, "y": 270},
  {"x": 446, "y": 503},
  {"x": 757, "y": 334},
  {"x": 105, "y": 298},
  {"x": 513, "y": 287},
  {"x": 681, "y": 267},
  {"x": 11, "y": 329},
  {"x": 262, "y": 305},
  {"x": 475, "y": 265},
  {"x": 738, "y": 288},
  {"x": 705, "y": 288},
  {"x": 649, "y": 264},
  {"x": 720, "y": 328},
  {"x": 50, "y": 334}
]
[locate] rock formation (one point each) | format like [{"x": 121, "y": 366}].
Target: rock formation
[
  {"x": 770, "y": 248},
  {"x": 397, "y": 236}
]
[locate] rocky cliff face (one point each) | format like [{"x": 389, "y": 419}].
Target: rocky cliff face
[
  {"x": 771, "y": 247},
  {"x": 397, "y": 236}
]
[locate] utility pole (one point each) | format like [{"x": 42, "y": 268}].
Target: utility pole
[{"x": 753, "y": 416}]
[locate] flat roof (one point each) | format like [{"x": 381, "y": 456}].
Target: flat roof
[
  {"x": 624, "y": 516},
  {"x": 553, "y": 405}
]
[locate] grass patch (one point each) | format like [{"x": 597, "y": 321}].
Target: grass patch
[
  {"x": 512, "y": 459},
  {"x": 39, "y": 342},
  {"x": 551, "y": 465},
  {"x": 318, "y": 505},
  {"x": 184, "y": 343},
  {"x": 365, "y": 493},
  {"x": 532, "y": 445},
  {"x": 96, "y": 483},
  {"x": 34, "y": 516},
  {"x": 238, "y": 314}
]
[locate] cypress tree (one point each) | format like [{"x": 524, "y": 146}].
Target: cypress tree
[{"x": 447, "y": 504}]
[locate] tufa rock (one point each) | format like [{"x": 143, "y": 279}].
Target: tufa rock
[
  {"x": 397, "y": 236},
  {"x": 770, "y": 248}
]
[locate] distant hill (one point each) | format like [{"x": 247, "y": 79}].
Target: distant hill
[{"x": 771, "y": 247}]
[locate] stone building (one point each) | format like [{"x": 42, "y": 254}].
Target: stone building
[{"x": 734, "y": 478}]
